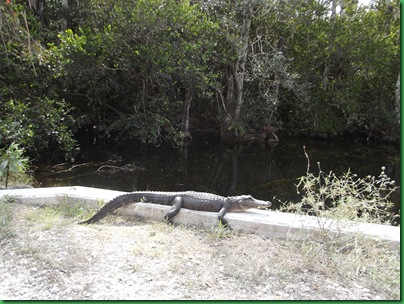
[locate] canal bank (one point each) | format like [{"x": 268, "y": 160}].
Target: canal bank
[{"x": 270, "y": 224}]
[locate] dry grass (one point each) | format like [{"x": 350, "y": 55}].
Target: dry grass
[
  {"x": 123, "y": 258},
  {"x": 5, "y": 218}
]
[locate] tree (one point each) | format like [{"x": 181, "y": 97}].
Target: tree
[
  {"x": 235, "y": 18},
  {"x": 153, "y": 70},
  {"x": 256, "y": 73},
  {"x": 341, "y": 58},
  {"x": 30, "y": 114},
  {"x": 141, "y": 64}
]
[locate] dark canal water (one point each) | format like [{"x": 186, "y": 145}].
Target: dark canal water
[{"x": 209, "y": 165}]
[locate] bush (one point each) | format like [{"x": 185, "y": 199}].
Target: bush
[
  {"x": 14, "y": 166},
  {"x": 346, "y": 197}
]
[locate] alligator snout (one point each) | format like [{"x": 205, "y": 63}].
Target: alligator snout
[{"x": 264, "y": 204}]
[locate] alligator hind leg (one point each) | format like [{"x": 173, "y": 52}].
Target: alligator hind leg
[{"x": 177, "y": 204}]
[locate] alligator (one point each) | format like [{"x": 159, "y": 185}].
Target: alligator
[{"x": 201, "y": 201}]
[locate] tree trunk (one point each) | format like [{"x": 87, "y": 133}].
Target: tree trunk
[
  {"x": 240, "y": 72},
  {"x": 333, "y": 9},
  {"x": 235, "y": 76},
  {"x": 65, "y": 5},
  {"x": 185, "y": 116},
  {"x": 229, "y": 103}
]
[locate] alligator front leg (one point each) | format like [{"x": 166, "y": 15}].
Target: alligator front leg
[
  {"x": 221, "y": 214},
  {"x": 177, "y": 204}
]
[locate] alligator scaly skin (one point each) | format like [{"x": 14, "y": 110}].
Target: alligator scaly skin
[{"x": 201, "y": 201}]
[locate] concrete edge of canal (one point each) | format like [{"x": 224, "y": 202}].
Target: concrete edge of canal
[{"x": 270, "y": 224}]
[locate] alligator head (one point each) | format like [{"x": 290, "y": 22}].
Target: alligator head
[{"x": 244, "y": 202}]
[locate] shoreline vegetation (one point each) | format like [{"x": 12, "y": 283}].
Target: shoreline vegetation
[{"x": 156, "y": 71}]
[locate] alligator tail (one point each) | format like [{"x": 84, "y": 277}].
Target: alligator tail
[{"x": 112, "y": 205}]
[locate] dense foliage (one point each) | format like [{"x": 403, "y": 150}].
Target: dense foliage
[{"x": 154, "y": 70}]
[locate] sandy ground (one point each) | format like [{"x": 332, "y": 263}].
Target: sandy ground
[{"x": 52, "y": 258}]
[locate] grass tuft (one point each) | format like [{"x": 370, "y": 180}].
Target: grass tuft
[{"x": 6, "y": 230}]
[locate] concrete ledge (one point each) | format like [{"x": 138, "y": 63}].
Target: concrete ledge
[
  {"x": 267, "y": 223},
  {"x": 52, "y": 195}
]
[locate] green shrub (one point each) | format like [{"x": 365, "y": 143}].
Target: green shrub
[{"x": 14, "y": 166}]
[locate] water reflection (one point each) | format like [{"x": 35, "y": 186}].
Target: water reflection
[{"x": 207, "y": 164}]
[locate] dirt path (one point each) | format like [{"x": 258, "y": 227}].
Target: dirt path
[{"x": 55, "y": 259}]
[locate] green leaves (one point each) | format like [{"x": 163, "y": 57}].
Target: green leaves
[
  {"x": 132, "y": 65},
  {"x": 341, "y": 60},
  {"x": 122, "y": 68},
  {"x": 13, "y": 165},
  {"x": 37, "y": 124}
]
